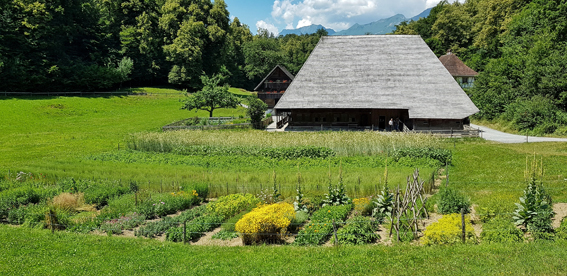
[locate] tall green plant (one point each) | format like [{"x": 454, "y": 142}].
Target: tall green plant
[
  {"x": 535, "y": 208},
  {"x": 336, "y": 195}
]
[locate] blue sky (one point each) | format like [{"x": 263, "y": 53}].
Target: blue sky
[{"x": 276, "y": 15}]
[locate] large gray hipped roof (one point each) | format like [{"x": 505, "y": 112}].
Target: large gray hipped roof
[{"x": 377, "y": 72}]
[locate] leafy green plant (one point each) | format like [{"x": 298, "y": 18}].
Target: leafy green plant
[
  {"x": 452, "y": 201},
  {"x": 13, "y": 198},
  {"x": 534, "y": 210},
  {"x": 153, "y": 229},
  {"x": 224, "y": 235},
  {"x": 336, "y": 195},
  {"x": 384, "y": 203},
  {"x": 195, "y": 228},
  {"x": 358, "y": 230},
  {"x": 30, "y": 215},
  {"x": 321, "y": 226},
  {"x": 500, "y": 230}
]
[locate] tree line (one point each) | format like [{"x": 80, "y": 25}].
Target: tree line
[
  {"x": 517, "y": 46},
  {"x": 94, "y": 45}
]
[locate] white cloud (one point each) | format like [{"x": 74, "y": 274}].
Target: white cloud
[
  {"x": 304, "y": 22},
  {"x": 341, "y": 14},
  {"x": 270, "y": 27}
]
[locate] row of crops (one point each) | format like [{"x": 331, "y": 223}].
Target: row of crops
[{"x": 185, "y": 214}]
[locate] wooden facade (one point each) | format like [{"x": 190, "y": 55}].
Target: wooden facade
[
  {"x": 376, "y": 119},
  {"x": 274, "y": 85}
]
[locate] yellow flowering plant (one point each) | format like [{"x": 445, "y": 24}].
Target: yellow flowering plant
[
  {"x": 265, "y": 223},
  {"x": 448, "y": 230}
]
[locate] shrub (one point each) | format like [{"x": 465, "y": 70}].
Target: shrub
[
  {"x": 256, "y": 110},
  {"x": 358, "y": 230},
  {"x": 362, "y": 206},
  {"x": 230, "y": 205},
  {"x": 500, "y": 230},
  {"x": 265, "y": 223},
  {"x": 13, "y": 198},
  {"x": 31, "y": 215},
  {"x": 452, "y": 201},
  {"x": 321, "y": 226},
  {"x": 538, "y": 113},
  {"x": 448, "y": 230}
]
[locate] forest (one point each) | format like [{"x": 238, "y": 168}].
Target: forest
[
  {"x": 97, "y": 45},
  {"x": 517, "y": 46}
]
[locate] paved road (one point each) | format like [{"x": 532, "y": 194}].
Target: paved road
[{"x": 502, "y": 137}]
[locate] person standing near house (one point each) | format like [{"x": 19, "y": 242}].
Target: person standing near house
[
  {"x": 397, "y": 124},
  {"x": 391, "y": 124}
]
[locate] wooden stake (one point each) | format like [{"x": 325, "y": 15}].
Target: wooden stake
[{"x": 463, "y": 224}]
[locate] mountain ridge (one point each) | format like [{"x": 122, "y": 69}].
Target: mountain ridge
[{"x": 382, "y": 26}]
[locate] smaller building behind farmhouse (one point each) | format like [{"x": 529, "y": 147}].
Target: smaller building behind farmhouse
[
  {"x": 463, "y": 74},
  {"x": 274, "y": 85}
]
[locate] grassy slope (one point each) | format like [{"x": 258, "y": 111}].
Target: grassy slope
[
  {"x": 40, "y": 130},
  {"x": 34, "y": 252}
]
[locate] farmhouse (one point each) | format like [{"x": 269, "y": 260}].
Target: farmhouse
[
  {"x": 364, "y": 81},
  {"x": 274, "y": 85},
  {"x": 463, "y": 74}
]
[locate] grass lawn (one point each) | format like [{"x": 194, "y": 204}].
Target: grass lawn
[{"x": 38, "y": 252}]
